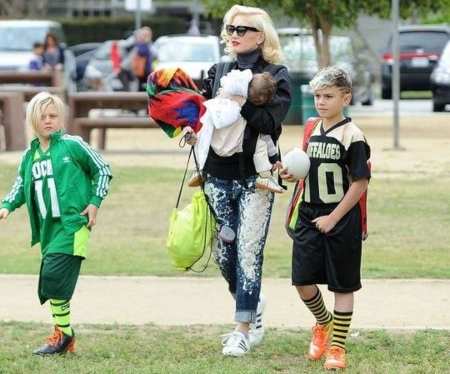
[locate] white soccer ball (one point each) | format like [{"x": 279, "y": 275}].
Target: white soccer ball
[{"x": 297, "y": 163}]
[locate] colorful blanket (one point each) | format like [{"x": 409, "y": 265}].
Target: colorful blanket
[{"x": 174, "y": 102}]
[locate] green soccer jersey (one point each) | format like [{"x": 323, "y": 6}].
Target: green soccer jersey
[
  {"x": 51, "y": 231},
  {"x": 56, "y": 187}
]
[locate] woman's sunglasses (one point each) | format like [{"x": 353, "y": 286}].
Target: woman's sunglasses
[{"x": 240, "y": 30}]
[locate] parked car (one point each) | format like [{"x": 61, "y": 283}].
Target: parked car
[
  {"x": 440, "y": 81},
  {"x": 18, "y": 37},
  {"x": 99, "y": 73},
  {"x": 83, "y": 54},
  {"x": 82, "y": 48},
  {"x": 194, "y": 54},
  {"x": 420, "y": 49},
  {"x": 300, "y": 57}
]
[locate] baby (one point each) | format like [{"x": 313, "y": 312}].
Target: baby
[{"x": 223, "y": 126}]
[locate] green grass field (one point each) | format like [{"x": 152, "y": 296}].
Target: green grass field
[
  {"x": 408, "y": 228},
  {"x": 150, "y": 349}
]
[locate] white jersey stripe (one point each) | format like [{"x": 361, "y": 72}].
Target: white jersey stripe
[
  {"x": 103, "y": 168},
  {"x": 14, "y": 190}
]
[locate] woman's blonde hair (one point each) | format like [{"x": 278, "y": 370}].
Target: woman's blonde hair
[
  {"x": 258, "y": 18},
  {"x": 37, "y": 106}
]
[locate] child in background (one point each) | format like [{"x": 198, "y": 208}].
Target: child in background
[
  {"x": 37, "y": 61},
  {"x": 62, "y": 181}
]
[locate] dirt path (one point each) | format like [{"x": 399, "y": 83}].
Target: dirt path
[{"x": 391, "y": 304}]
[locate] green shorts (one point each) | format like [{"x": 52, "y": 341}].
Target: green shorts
[{"x": 58, "y": 276}]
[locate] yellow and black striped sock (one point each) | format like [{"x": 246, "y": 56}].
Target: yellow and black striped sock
[
  {"x": 61, "y": 315},
  {"x": 342, "y": 321},
  {"x": 318, "y": 308}
]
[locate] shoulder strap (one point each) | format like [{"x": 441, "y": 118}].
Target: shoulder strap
[
  {"x": 310, "y": 125},
  {"x": 222, "y": 69},
  {"x": 184, "y": 177}
]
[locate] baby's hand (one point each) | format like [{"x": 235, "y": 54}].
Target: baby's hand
[
  {"x": 284, "y": 174},
  {"x": 4, "y": 213},
  {"x": 277, "y": 166}
]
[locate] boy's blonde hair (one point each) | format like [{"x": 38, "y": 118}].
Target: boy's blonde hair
[
  {"x": 37, "y": 106},
  {"x": 259, "y": 19},
  {"x": 332, "y": 76}
]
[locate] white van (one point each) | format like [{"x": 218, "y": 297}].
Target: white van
[{"x": 17, "y": 39}]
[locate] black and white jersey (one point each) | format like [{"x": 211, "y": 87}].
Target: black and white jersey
[{"x": 338, "y": 156}]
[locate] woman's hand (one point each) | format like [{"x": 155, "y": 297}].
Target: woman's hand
[
  {"x": 190, "y": 136},
  {"x": 324, "y": 223},
  {"x": 91, "y": 212},
  {"x": 4, "y": 213}
]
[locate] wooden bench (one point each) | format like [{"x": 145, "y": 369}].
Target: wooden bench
[
  {"x": 52, "y": 78},
  {"x": 30, "y": 83},
  {"x": 29, "y": 91},
  {"x": 81, "y": 103},
  {"x": 13, "y": 120}
]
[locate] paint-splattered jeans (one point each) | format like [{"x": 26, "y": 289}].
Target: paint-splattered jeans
[{"x": 246, "y": 211}]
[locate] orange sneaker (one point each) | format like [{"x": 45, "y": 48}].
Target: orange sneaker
[
  {"x": 319, "y": 342},
  {"x": 335, "y": 358}
]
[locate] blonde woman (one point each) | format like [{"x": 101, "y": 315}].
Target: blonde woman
[
  {"x": 62, "y": 181},
  {"x": 243, "y": 212}
]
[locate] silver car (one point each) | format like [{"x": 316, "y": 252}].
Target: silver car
[
  {"x": 301, "y": 59},
  {"x": 194, "y": 54}
]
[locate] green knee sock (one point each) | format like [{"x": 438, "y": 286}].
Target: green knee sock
[{"x": 61, "y": 315}]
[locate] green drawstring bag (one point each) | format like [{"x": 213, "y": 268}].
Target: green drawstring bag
[{"x": 191, "y": 231}]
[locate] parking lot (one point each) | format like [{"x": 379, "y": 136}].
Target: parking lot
[{"x": 383, "y": 108}]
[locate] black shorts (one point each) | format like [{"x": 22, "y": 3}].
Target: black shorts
[{"x": 334, "y": 258}]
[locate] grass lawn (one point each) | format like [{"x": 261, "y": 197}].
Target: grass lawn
[
  {"x": 408, "y": 228},
  {"x": 197, "y": 349}
]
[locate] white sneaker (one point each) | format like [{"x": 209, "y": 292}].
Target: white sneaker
[
  {"x": 236, "y": 344},
  {"x": 256, "y": 333}
]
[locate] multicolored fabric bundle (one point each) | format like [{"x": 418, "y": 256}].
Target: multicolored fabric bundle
[{"x": 174, "y": 101}]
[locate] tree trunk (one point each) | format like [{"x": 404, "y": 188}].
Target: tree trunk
[
  {"x": 317, "y": 44},
  {"x": 315, "y": 29},
  {"x": 321, "y": 31},
  {"x": 326, "y": 27}
]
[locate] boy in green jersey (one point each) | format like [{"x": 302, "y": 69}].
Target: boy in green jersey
[{"x": 62, "y": 181}]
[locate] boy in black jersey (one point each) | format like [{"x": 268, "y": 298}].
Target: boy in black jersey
[{"x": 327, "y": 235}]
